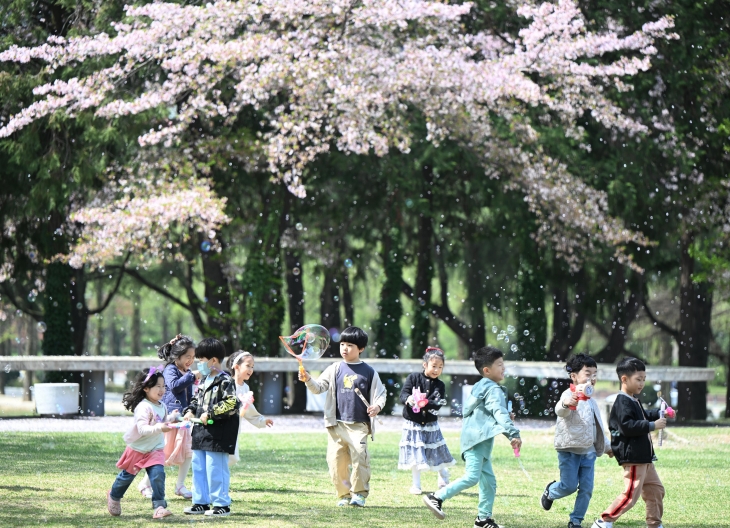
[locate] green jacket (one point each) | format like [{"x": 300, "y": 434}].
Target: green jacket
[{"x": 485, "y": 415}]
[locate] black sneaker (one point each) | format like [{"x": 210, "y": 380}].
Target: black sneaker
[
  {"x": 219, "y": 511},
  {"x": 434, "y": 504},
  {"x": 545, "y": 502},
  {"x": 488, "y": 523},
  {"x": 573, "y": 525},
  {"x": 196, "y": 509}
]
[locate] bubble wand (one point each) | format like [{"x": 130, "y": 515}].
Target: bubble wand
[
  {"x": 357, "y": 391},
  {"x": 516, "y": 450},
  {"x": 664, "y": 409},
  {"x": 313, "y": 339}
]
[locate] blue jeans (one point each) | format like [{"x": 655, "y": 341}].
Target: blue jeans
[
  {"x": 576, "y": 473},
  {"x": 211, "y": 478},
  {"x": 156, "y": 474},
  {"x": 478, "y": 470}
]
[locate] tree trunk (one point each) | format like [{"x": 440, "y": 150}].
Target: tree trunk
[
  {"x": 99, "y": 344},
  {"x": 135, "y": 326},
  {"x": 79, "y": 312},
  {"x": 348, "y": 300},
  {"x": 31, "y": 349},
  {"x": 295, "y": 291},
  {"x": 625, "y": 313},
  {"x": 475, "y": 295},
  {"x": 424, "y": 270},
  {"x": 329, "y": 307},
  {"x": 568, "y": 321},
  {"x": 218, "y": 307},
  {"x": 58, "y": 339},
  {"x": 165, "y": 322}
]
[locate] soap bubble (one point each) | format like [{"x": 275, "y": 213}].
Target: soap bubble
[
  {"x": 309, "y": 342},
  {"x": 543, "y": 382},
  {"x": 79, "y": 306},
  {"x": 513, "y": 348},
  {"x": 501, "y": 335},
  {"x": 510, "y": 329},
  {"x": 31, "y": 297},
  {"x": 526, "y": 333},
  {"x": 348, "y": 263},
  {"x": 299, "y": 226},
  {"x": 336, "y": 298},
  {"x": 42, "y": 326},
  {"x": 495, "y": 329},
  {"x": 409, "y": 203},
  {"x": 554, "y": 384},
  {"x": 296, "y": 271},
  {"x": 522, "y": 381},
  {"x": 249, "y": 323},
  {"x": 335, "y": 334},
  {"x": 205, "y": 246},
  {"x": 7, "y": 369}
]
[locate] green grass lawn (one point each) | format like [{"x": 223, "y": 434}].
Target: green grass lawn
[{"x": 282, "y": 480}]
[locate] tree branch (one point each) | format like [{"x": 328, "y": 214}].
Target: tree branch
[
  {"x": 112, "y": 293},
  {"x": 443, "y": 313},
  {"x": 665, "y": 327},
  {"x": 19, "y": 304},
  {"x": 152, "y": 286}
]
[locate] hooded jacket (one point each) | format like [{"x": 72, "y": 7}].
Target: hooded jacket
[
  {"x": 220, "y": 402},
  {"x": 485, "y": 415}
]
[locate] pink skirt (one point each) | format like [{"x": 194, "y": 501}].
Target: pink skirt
[
  {"x": 178, "y": 446},
  {"x": 132, "y": 461}
]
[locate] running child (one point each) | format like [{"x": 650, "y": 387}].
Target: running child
[
  {"x": 630, "y": 426},
  {"x": 422, "y": 446},
  {"x": 347, "y": 419},
  {"x": 241, "y": 364},
  {"x": 579, "y": 438},
  {"x": 144, "y": 441},
  {"x": 485, "y": 416},
  {"x": 214, "y": 402}
]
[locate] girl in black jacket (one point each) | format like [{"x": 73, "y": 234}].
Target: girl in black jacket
[{"x": 422, "y": 446}]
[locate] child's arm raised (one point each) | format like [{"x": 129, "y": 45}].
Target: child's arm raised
[
  {"x": 407, "y": 391},
  {"x": 567, "y": 400},
  {"x": 324, "y": 381},
  {"x": 175, "y": 382}
]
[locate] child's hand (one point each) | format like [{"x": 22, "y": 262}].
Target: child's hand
[
  {"x": 173, "y": 416},
  {"x": 610, "y": 453},
  {"x": 188, "y": 416},
  {"x": 573, "y": 401},
  {"x": 373, "y": 411},
  {"x": 512, "y": 416},
  {"x": 304, "y": 375},
  {"x": 410, "y": 402},
  {"x": 516, "y": 443},
  {"x": 204, "y": 418},
  {"x": 269, "y": 422},
  {"x": 661, "y": 423},
  {"x": 197, "y": 374},
  {"x": 165, "y": 428}
]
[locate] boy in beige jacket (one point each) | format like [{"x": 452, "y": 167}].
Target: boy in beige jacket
[
  {"x": 347, "y": 419},
  {"x": 579, "y": 438}
]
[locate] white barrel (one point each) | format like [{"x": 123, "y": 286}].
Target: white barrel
[{"x": 56, "y": 398}]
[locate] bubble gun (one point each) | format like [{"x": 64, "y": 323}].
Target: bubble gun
[
  {"x": 420, "y": 399},
  {"x": 584, "y": 392},
  {"x": 664, "y": 409}
]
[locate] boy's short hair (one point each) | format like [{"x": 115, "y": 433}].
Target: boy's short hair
[
  {"x": 628, "y": 366},
  {"x": 354, "y": 335},
  {"x": 210, "y": 348},
  {"x": 486, "y": 356},
  {"x": 576, "y": 363}
]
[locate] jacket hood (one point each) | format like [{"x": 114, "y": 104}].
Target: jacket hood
[{"x": 478, "y": 391}]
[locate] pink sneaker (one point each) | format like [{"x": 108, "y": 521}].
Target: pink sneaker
[
  {"x": 183, "y": 492},
  {"x": 161, "y": 512},
  {"x": 114, "y": 506}
]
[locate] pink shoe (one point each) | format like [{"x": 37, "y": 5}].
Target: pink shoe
[
  {"x": 114, "y": 506},
  {"x": 161, "y": 512},
  {"x": 183, "y": 492}
]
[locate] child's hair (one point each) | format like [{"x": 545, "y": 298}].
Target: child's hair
[
  {"x": 170, "y": 352},
  {"x": 433, "y": 352},
  {"x": 236, "y": 358},
  {"x": 576, "y": 363},
  {"x": 136, "y": 393},
  {"x": 628, "y": 366},
  {"x": 485, "y": 357},
  {"x": 210, "y": 348},
  {"x": 354, "y": 335}
]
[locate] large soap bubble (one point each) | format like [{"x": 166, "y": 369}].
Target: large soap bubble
[{"x": 309, "y": 342}]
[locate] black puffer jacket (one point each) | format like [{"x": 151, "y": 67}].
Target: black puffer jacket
[
  {"x": 435, "y": 390},
  {"x": 220, "y": 402},
  {"x": 630, "y": 425}
]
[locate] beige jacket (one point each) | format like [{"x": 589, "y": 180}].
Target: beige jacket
[
  {"x": 574, "y": 429},
  {"x": 328, "y": 378}
]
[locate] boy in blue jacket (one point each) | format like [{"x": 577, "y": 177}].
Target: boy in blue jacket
[{"x": 485, "y": 416}]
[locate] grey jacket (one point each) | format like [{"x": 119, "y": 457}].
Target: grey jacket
[
  {"x": 574, "y": 429},
  {"x": 328, "y": 378}
]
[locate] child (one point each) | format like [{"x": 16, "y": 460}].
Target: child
[
  {"x": 579, "y": 439},
  {"x": 347, "y": 419},
  {"x": 179, "y": 379},
  {"x": 630, "y": 426},
  {"x": 485, "y": 416},
  {"x": 422, "y": 446},
  {"x": 144, "y": 441},
  {"x": 212, "y": 442},
  {"x": 241, "y": 364}
]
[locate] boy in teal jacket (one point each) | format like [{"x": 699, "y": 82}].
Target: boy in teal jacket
[{"x": 485, "y": 416}]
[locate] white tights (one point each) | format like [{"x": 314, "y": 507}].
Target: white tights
[{"x": 443, "y": 477}]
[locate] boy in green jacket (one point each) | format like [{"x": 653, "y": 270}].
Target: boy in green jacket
[{"x": 485, "y": 416}]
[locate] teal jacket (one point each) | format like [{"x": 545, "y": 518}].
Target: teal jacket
[{"x": 485, "y": 415}]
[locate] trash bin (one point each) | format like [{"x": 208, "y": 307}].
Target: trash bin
[{"x": 58, "y": 399}]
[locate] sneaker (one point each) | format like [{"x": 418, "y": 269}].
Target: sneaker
[
  {"x": 183, "y": 492},
  {"x": 545, "y": 502},
  {"x": 114, "y": 506},
  {"x": 600, "y": 523},
  {"x": 433, "y": 503},
  {"x": 161, "y": 512},
  {"x": 357, "y": 500},
  {"x": 344, "y": 502},
  {"x": 574, "y": 525},
  {"x": 196, "y": 509},
  {"x": 146, "y": 492},
  {"x": 219, "y": 511},
  {"x": 414, "y": 490},
  {"x": 488, "y": 523}
]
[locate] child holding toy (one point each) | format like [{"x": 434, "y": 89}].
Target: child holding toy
[
  {"x": 241, "y": 364},
  {"x": 347, "y": 419},
  {"x": 485, "y": 416},
  {"x": 422, "y": 446},
  {"x": 144, "y": 441},
  {"x": 630, "y": 426},
  {"x": 579, "y": 439},
  {"x": 214, "y": 402}
]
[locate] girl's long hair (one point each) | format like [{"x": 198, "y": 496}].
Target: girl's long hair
[
  {"x": 136, "y": 394},
  {"x": 236, "y": 358},
  {"x": 169, "y": 352}
]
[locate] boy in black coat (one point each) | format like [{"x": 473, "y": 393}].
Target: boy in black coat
[{"x": 630, "y": 426}]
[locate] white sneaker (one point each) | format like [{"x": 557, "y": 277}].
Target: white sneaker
[
  {"x": 414, "y": 490},
  {"x": 357, "y": 500},
  {"x": 600, "y": 523},
  {"x": 146, "y": 492}
]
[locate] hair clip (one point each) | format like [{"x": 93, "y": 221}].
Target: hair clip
[{"x": 158, "y": 369}]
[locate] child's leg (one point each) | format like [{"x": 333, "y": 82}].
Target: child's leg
[
  {"x": 443, "y": 478},
  {"x": 416, "y": 477},
  {"x": 357, "y": 440},
  {"x": 338, "y": 461},
  {"x": 122, "y": 482},
  {"x": 487, "y": 490},
  {"x": 201, "y": 494},
  {"x": 653, "y": 495},
  {"x": 569, "y": 465},
  {"x": 586, "y": 471},
  {"x": 634, "y": 476},
  {"x": 219, "y": 478},
  {"x": 473, "y": 461},
  {"x": 182, "y": 472},
  {"x": 157, "y": 479}
]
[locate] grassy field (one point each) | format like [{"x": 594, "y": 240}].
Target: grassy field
[{"x": 61, "y": 480}]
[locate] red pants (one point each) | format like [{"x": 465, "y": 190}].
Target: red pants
[{"x": 639, "y": 479}]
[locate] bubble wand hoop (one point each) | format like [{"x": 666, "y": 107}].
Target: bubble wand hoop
[{"x": 313, "y": 339}]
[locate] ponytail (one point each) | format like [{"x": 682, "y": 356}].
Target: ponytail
[{"x": 177, "y": 346}]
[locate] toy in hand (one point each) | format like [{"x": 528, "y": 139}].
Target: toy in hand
[
  {"x": 419, "y": 398},
  {"x": 313, "y": 340},
  {"x": 584, "y": 391},
  {"x": 664, "y": 410},
  {"x": 246, "y": 400}
]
